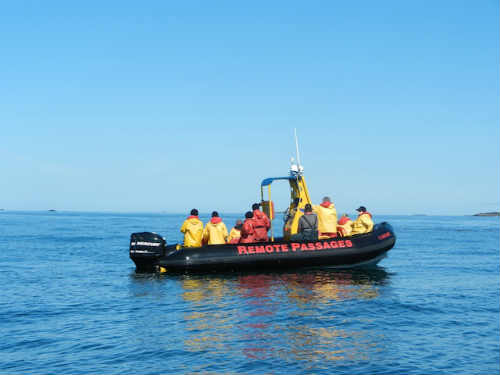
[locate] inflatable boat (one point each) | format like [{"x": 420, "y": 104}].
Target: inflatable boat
[{"x": 151, "y": 254}]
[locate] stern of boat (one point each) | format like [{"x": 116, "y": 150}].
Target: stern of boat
[{"x": 146, "y": 249}]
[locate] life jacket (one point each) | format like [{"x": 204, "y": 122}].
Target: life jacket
[
  {"x": 215, "y": 232},
  {"x": 247, "y": 232},
  {"x": 193, "y": 231},
  {"x": 261, "y": 225},
  {"x": 343, "y": 220}
]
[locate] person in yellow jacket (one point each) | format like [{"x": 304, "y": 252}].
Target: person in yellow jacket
[
  {"x": 364, "y": 222},
  {"x": 235, "y": 234},
  {"x": 327, "y": 218},
  {"x": 193, "y": 230},
  {"x": 215, "y": 232}
]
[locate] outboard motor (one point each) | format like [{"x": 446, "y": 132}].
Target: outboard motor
[{"x": 145, "y": 249}]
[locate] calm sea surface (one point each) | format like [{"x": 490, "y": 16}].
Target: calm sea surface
[{"x": 71, "y": 303}]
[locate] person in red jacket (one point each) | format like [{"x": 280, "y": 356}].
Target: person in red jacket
[
  {"x": 247, "y": 230},
  {"x": 261, "y": 223},
  {"x": 344, "y": 226}
]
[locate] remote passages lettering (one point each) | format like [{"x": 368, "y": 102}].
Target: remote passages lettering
[{"x": 291, "y": 247}]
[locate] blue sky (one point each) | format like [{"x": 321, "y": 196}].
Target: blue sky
[{"x": 165, "y": 106}]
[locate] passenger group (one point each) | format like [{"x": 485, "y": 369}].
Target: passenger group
[{"x": 318, "y": 222}]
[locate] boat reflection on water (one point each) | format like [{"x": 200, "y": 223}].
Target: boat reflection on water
[
  {"x": 284, "y": 316},
  {"x": 325, "y": 286}
]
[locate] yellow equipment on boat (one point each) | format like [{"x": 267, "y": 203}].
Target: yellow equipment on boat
[{"x": 299, "y": 197}]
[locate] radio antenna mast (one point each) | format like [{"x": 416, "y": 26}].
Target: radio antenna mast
[{"x": 297, "y": 147}]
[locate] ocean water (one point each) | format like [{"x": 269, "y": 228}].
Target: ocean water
[{"x": 71, "y": 303}]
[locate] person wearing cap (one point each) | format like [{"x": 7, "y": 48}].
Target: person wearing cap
[
  {"x": 215, "y": 232},
  {"x": 364, "y": 222},
  {"x": 261, "y": 224},
  {"x": 193, "y": 230},
  {"x": 308, "y": 225},
  {"x": 235, "y": 234},
  {"x": 344, "y": 226},
  {"x": 327, "y": 218},
  {"x": 247, "y": 230}
]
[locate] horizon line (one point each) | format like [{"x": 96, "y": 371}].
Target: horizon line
[{"x": 162, "y": 212}]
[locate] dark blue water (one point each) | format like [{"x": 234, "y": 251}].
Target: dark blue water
[{"x": 71, "y": 304}]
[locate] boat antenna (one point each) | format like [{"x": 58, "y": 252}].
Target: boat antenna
[
  {"x": 297, "y": 154},
  {"x": 300, "y": 169}
]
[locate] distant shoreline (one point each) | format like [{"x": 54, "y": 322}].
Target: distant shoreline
[{"x": 487, "y": 214}]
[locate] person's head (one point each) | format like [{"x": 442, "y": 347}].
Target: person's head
[
  {"x": 249, "y": 215},
  {"x": 308, "y": 207},
  {"x": 345, "y": 215},
  {"x": 215, "y": 214},
  {"x": 326, "y": 199},
  {"x": 194, "y": 212},
  {"x": 361, "y": 209},
  {"x": 238, "y": 224},
  {"x": 255, "y": 206}
]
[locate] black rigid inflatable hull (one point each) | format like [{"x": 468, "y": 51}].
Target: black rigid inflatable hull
[{"x": 346, "y": 252}]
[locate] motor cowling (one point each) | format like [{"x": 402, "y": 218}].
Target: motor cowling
[{"x": 146, "y": 245}]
